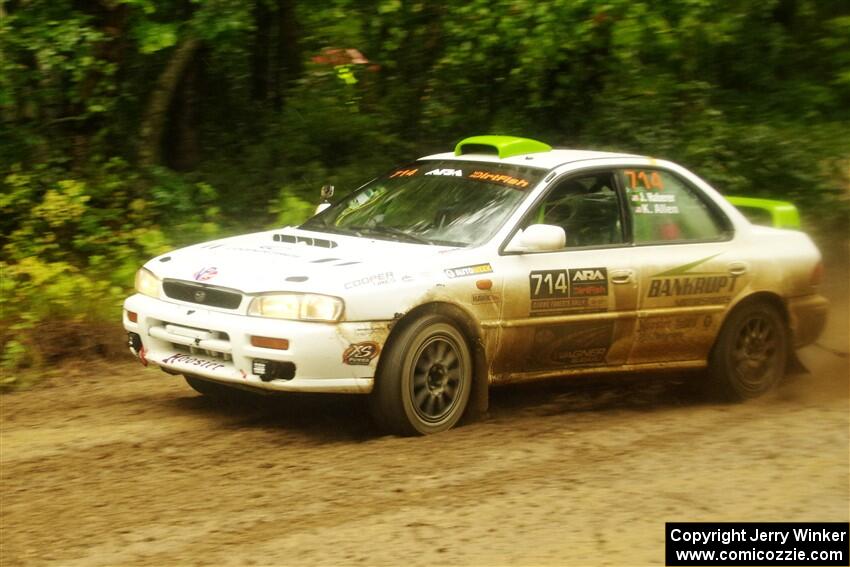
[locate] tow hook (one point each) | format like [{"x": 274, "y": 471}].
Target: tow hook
[{"x": 134, "y": 341}]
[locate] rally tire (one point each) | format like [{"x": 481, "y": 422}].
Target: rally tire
[
  {"x": 750, "y": 354},
  {"x": 424, "y": 378}
]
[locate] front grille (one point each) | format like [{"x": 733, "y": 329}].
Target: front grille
[{"x": 202, "y": 294}]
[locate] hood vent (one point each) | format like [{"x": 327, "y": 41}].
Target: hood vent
[{"x": 309, "y": 241}]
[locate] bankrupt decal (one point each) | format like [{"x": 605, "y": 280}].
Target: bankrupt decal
[
  {"x": 360, "y": 354},
  {"x": 469, "y": 270},
  {"x": 683, "y": 281}
]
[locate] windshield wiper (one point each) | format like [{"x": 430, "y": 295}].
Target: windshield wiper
[{"x": 391, "y": 231}]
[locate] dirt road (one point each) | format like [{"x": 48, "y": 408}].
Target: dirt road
[{"x": 117, "y": 465}]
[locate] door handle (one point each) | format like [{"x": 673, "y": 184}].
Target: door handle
[
  {"x": 622, "y": 276},
  {"x": 737, "y": 269}
]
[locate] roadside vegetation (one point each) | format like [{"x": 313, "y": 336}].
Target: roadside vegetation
[{"x": 128, "y": 127}]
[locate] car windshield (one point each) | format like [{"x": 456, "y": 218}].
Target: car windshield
[{"x": 449, "y": 203}]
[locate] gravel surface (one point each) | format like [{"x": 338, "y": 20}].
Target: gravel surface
[{"x": 113, "y": 464}]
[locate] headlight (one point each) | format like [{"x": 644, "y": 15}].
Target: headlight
[
  {"x": 300, "y": 306},
  {"x": 147, "y": 283}
]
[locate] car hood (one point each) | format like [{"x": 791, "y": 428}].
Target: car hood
[{"x": 298, "y": 260}]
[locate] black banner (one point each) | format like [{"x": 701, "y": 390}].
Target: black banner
[{"x": 757, "y": 543}]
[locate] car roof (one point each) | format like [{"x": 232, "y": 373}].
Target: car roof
[{"x": 543, "y": 160}]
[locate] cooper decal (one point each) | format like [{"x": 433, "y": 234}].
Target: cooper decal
[
  {"x": 375, "y": 279},
  {"x": 464, "y": 271},
  {"x": 482, "y": 298},
  {"x": 361, "y": 354}
]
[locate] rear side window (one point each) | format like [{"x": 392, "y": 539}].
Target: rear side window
[{"x": 665, "y": 209}]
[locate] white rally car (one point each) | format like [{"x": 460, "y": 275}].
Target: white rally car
[{"x": 505, "y": 260}]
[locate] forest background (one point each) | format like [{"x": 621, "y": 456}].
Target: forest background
[{"x": 129, "y": 127}]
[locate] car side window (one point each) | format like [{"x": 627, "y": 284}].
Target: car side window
[
  {"x": 665, "y": 209},
  {"x": 586, "y": 207}
]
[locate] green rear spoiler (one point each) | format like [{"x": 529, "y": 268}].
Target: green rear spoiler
[{"x": 778, "y": 214}]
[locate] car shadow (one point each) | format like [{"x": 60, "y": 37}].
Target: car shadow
[
  {"x": 322, "y": 417},
  {"x": 338, "y": 417}
]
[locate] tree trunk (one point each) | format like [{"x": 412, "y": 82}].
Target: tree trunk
[
  {"x": 260, "y": 51},
  {"x": 182, "y": 145},
  {"x": 153, "y": 121},
  {"x": 288, "y": 60}
]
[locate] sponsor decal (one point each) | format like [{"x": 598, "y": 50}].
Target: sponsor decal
[
  {"x": 190, "y": 360},
  {"x": 576, "y": 344},
  {"x": 665, "y": 328},
  {"x": 464, "y": 271},
  {"x": 404, "y": 173},
  {"x": 383, "y": 278},
  {"x": 482, "y": 298},
  {"x": 499, "y": 178},
  {"x": 450, "y": 172},
  {"x": 682, "y": 281},
  {"x": 264, "y": 250},
  {"x": 205, "y": 274},
  {"x": 360, "y": 354},
  {"x": 565, "y": 290},
  {"x": 588, "y": 282}
]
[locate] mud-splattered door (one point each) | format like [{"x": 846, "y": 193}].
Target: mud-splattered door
[
  {"x": 566, "y": 310},
  {"x": 574, "y": 307}
]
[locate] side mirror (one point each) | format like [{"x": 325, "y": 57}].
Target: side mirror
[
  {"x": 538, "y": 238},
  {"x": 326, "y": 193}
]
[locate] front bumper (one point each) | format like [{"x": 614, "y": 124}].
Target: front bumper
[
  {"x": 808, "y": 318},
  {"x": 221, "y": 348}
]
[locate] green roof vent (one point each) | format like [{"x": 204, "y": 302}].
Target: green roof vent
[{"x": 502, "y": 146}]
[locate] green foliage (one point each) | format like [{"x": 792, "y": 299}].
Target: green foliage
[{"x": 754, "y": 95}]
